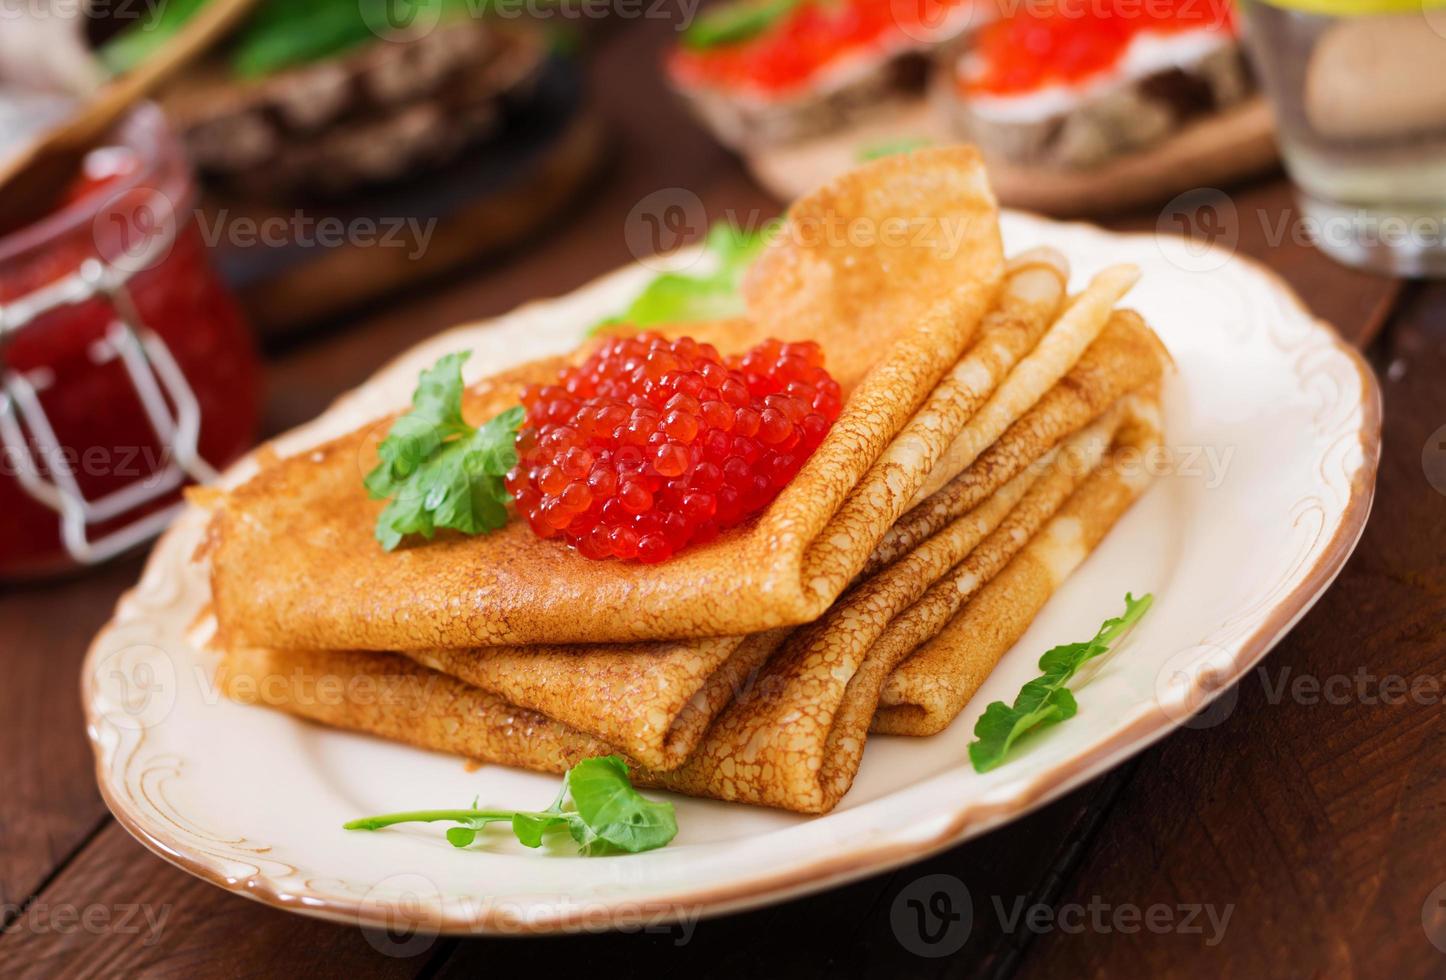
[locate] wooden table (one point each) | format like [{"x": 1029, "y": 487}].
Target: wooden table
[{"x": 1316, "y": 822}]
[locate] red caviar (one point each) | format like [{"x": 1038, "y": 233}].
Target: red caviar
[
  {"x": 1071, "y": 40},
  {"x": 652, "y": 444},
  {"x": 814, "y": 35}
]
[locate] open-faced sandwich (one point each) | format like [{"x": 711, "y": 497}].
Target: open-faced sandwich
[
  {"x": 441, "y": 132},
  {"x": 721, "y": 550},
  {"x": 325, "y": 99},
  {"x": 1074, "y": 84},
  {"x": 1077, "y": 106},
  {"x": 763, "y": 72}
]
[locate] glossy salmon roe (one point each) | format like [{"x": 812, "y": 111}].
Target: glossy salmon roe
[{"x": 652, "y": 444}]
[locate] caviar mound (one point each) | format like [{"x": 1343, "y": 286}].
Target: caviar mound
[{"x": 651, "y": 444}]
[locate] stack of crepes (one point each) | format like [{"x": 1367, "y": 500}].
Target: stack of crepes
[{"x": 990, "y": 436}]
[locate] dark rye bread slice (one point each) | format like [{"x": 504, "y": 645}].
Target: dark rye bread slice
[
  {"x": 377, "y": 113},
  {"x": 865, "y": 90},
  {"x": 1109, "y": 123}
]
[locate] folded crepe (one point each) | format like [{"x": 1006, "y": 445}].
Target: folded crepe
[
  {"x": 295, "y": 564},
  {"x": 791, "y": 734},
  {"x": 653, "y": 701},
  {"x": 794, "y": 736}
]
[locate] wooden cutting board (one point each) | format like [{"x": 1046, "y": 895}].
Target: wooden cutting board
[{"x": 1215, "y": 151}]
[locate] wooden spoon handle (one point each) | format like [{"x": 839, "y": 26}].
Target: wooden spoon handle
[{"x": 213, "y": 20}]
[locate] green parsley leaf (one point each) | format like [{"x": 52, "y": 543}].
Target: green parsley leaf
[
  {"x": 1046, "y": 700},
  {"x": 680, "y": 297},
  {"x": 437, "y": 470},
  {"x": 597, "y": 805}
]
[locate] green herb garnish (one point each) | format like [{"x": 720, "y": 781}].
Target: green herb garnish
[
  {"x": 281, "y": 34},
  {"x": 1046, "y": 700},
  {"x": 680, "y": 297},
  {"x": 732, "y": 23},
  {"x": 888, "y": 148},
  {"x": 438, "y": 470},
  {"x": 597, "y": 805}
]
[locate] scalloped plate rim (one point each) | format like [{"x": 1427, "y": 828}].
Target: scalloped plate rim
[{"x": 968, "y": 820}]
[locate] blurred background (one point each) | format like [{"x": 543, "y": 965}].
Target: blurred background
[
  {"x": 207, "y": 237},
  {"x": 187, "y": 183}
]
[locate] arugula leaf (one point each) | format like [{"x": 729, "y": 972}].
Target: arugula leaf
[
  {"x": 679, "y": 297},
  {"x": 1046, "y": 700},
  {"x": 597, "y": 805},
  {"x": 733, "y": 23},
  {"x": 613, "y": 813},
  {"x": 438, "y": 470}
]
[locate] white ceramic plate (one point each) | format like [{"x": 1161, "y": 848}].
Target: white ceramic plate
[{"x": 1276, "y": 429}]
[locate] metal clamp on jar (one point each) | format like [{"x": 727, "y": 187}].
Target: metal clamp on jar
[{"x": 125, "y": 369}]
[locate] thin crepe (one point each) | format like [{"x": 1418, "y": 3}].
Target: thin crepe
[
  {"x": 794, "y": 734},
  {"x": 929, "y": 689},
  {"x": 796, "y": 739},
  {"x": 893, "y": 307},
  {"x": 654, "y": 701}
]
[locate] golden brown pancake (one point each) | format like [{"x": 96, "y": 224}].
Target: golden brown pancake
[
  {"x": 653, "y": 701},
  {"x": 794, "y": 737},
  {"x": 931, "y": 687},
  {"x": 295, "y": 563},
  {"x": 791, "y": 734}
]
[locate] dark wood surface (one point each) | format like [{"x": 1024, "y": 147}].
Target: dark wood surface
[{"x": 1315, "y": 823}]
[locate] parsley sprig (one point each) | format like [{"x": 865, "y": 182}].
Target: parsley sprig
[
  {"x": 439, "y": 471},
  {"x": 597, "y": 805},
  {"x": 1047, "y": 700}
]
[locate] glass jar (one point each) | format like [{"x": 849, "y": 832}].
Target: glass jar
[
  {"x": 1359, "y": 92},
  {"x": 125, "y": 368}
]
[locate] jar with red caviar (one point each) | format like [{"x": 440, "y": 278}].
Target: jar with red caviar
[{"x": 125, "y": 368}]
